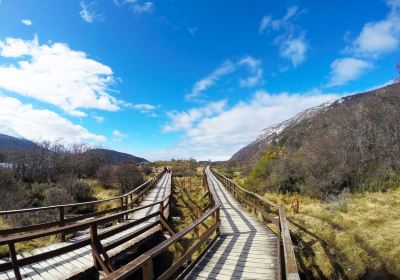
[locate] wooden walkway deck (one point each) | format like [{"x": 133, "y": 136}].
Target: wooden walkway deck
[
  {"x": 79, "y": 261},
  {"x": 246, "y": 248}
]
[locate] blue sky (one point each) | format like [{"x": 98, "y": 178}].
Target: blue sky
[{"x": 181, "y": 79}]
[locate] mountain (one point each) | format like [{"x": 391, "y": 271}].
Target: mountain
[
  {"x": 250, "y": 153},
  {"x": 13, "y": 143},
  {"x": 115, "y": 157},
  {"x": 341, "y": 143}
]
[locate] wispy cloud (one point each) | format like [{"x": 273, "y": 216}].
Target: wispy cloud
[
  {"x": 137, "y": 6},
  {"x": 292, "y": 42},
  {"x": 118, "y": 135},
  {"x": 252, "y": 65},
  {"x": 192, "y": 30},
  {"x": 26, "y": 22},
  {"x": 57, "y": 75},
  {"x": 255, "y": 68},
  {"x": 88, "y": 12},
  {"x": 200, "y": 86}
]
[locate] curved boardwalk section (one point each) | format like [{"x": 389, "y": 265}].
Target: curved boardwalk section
[
  {"x": 81, "y": 260},
  {"x": 246, "y": 248}
]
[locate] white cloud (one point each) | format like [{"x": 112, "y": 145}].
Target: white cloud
[
  {"x": 265, "y": 21},
  {"x": 252, "y": 81},
  {"x": 144, "y": 107},
  {"x": 98, "y": 118},
  {"x": 26, "y": 22},
  {"x": 250, "y": 63},
  {"x": 118, "y": 135},
  {"x": 87, "y": 12},
  {"x": 379, "y": 37},
  {"x": 295, "y": 50},
  {"x": 37, "y": 124},
  {"x": 192, "y": 30},
  {"x": 200, "y": 86},
  {"x": 146, "y": 7},
  {"x": 292, "y": 43},
  {"x": 185, "y": 120},
  {"x": 137, "y": 6},
  {"x": 57, "y": 75},
  {"x": 219, "y": 134},
  {"x": 255, "y": 67},
  {"x": 347, "y": 69}
]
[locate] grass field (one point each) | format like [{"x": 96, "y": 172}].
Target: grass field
[{"x": 353, "y": 243}]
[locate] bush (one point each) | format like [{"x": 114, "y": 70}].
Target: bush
[
  {"x": 81, "y": 191},
  {"x": 56, "y": 196},
  {"x": 127, "y": 177},
  {"x": 104, "y": 175}
]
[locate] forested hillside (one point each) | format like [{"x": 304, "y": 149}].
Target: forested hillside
[{"x": 352, "y": 143}]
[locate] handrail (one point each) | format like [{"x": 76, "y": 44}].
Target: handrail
[
  {"x": 63, "y": 220},
  {"x": 145, "y": 261},
  {"x": 263, "y": 206},
  {"x": 99, "y": 251},
  {"x": 25, "y": 210}
]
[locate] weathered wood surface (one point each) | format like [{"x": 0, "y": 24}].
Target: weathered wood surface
[
  {"x": 79, "y": 261},
  {"x": 246, "y": 248}
]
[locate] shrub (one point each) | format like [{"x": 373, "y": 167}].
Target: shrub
[
  {"x": 127, "y": 176},
  {"x": 81, "y": 191},
  {"x": 56, "y": 196},
  {"x": 339, "y": 202},
  {"x": 104, "y": 175}
]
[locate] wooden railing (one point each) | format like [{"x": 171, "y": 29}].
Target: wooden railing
[
  {"x": 179, "y": 268},
  {"x": 273, "y": 213},
  {"x": 66, "y": 226},
  {"x": 124, "y": 202}
]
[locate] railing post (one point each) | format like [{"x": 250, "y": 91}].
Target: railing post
[
  {"x": 14, "y": 261},
  {"x": 93, "y": 237},
  {"x": 148, "y": 270},
  {"x": 217, "y": 220},
  {"x": 62, "y": 221},
  {"x": 162, "y": 209},
  {"x": 120, "y": 220},
  {"x": 126, "y": 208}
]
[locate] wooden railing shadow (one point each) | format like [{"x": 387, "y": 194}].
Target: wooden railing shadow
[{"x": 266, "y": 209}]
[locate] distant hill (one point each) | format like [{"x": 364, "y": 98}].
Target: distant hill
[
  {"x": 117, "y": 157},
  {"x": 351, "y": 142},
  {"x": 12, "y": 143},
  {"x": 9, "y": 144}
]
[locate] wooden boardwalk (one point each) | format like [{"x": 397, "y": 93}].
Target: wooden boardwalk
[
  {"x": 79, "y": 261},
  {"x": 246, "y": 248}
]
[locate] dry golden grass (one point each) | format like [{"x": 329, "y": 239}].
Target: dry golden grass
[{"x": 336, "y": 244}]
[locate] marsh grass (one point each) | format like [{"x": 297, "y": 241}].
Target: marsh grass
[
  {"x": 359, "y": 235},
  {"x": 188, "y": 204}
]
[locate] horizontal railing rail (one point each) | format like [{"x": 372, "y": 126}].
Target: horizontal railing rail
[
  {"x": 178, "y": 269},
  {"x": 98, "y": 250},
  {"x": 125, "y": 202},
  {"x": 265, "y": 207}
]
